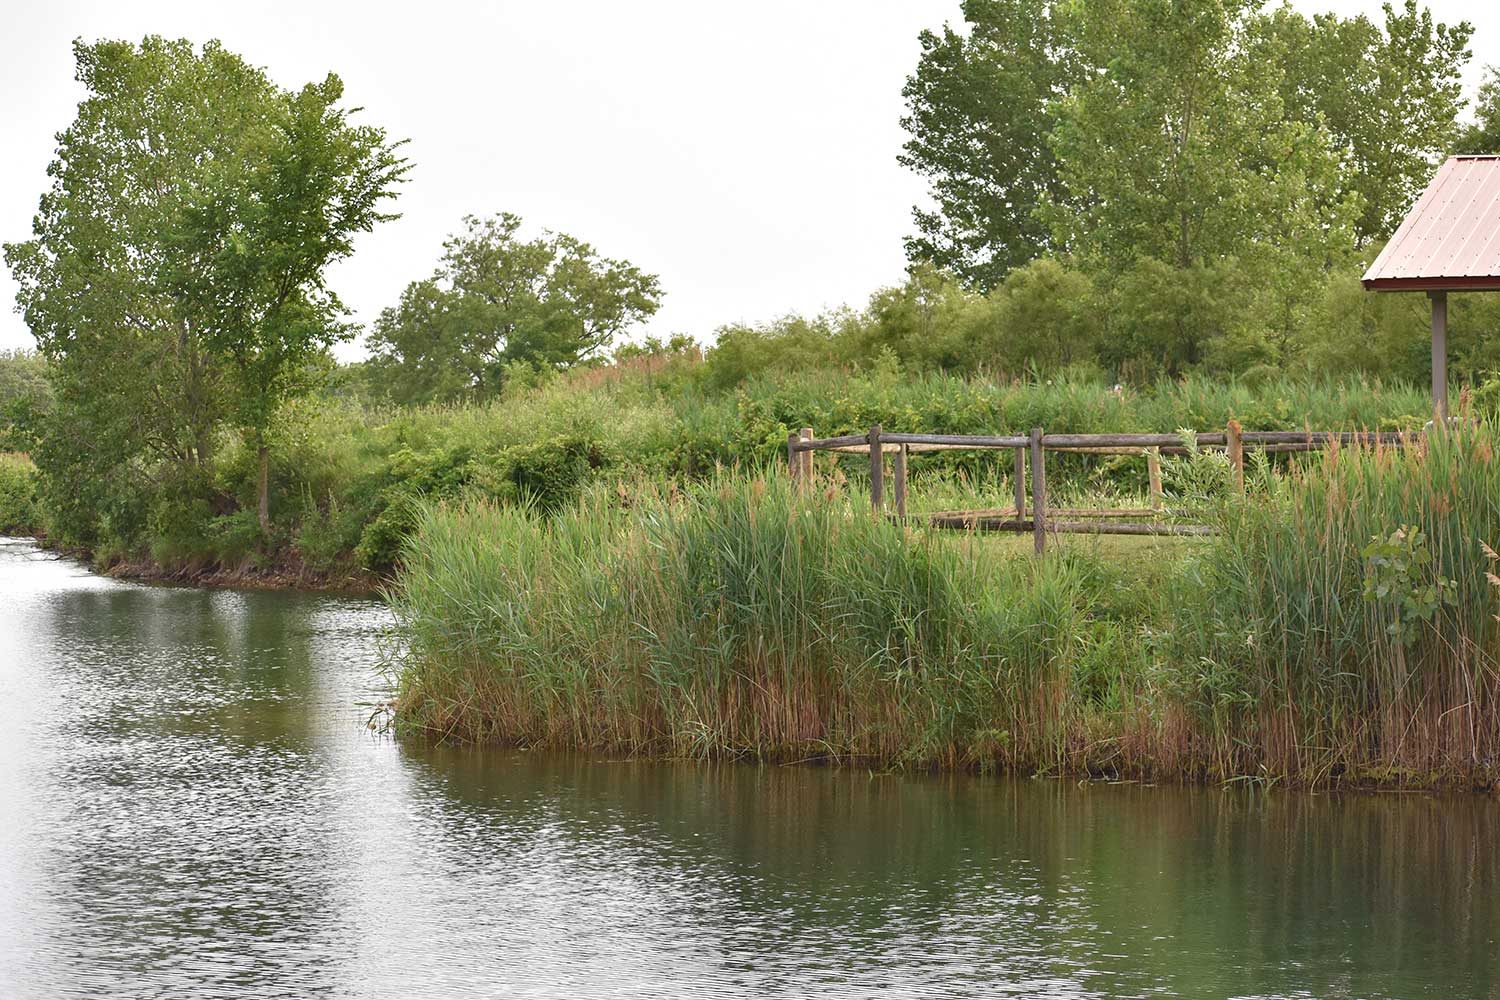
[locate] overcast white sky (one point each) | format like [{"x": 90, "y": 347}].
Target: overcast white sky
[{"x": 745, "y": 152}]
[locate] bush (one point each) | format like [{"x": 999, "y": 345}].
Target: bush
[
  {"x": 327, "y": 537},
  {"x": 19, "y": 512}
]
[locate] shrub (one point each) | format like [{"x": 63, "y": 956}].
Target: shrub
[{"x": 19, "y": 512}]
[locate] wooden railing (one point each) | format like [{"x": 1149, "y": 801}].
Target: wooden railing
[{"x": 1031, "y": 452}]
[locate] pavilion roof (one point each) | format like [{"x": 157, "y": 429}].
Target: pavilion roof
[{"x": 1450, "y": 240}]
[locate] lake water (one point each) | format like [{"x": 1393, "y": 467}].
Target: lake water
[{"x": 190, "y": 806}]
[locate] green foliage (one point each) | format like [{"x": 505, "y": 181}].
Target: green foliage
[
  {"x": 545, "y": 474},
  {"x": 175, "y": 277},
  {"x": 19, "y": 511},
  {"x": 1197, "y": 483},
  {"x": 1482, "y": 136},
  {"x": 667, "y": 415},
  {"x": 1134, "y": 325},
  {"x": 1216, "y": 170},
  {"x": 981, "y": 105},
  {"x": 1389, "y": 95},
  {"x": 409, "y": 475},
  {"x": 328, "y": 536},
  {"x": 25, "y": 398},
  {"x": 731, "y": 617},
  {"x": 1396, "y": 580},
  {"x": 498, "y": 301},
  {"x": 1329, "y": 653}
]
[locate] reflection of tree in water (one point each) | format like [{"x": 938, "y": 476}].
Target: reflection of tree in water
[
  {"x": 195, "y": 839},
  {"x": 1106, "y": 888}
]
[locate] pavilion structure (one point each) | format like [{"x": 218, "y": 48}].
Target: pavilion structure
[{"x": 1448, "y": 242}]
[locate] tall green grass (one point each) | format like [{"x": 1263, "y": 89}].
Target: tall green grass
[
  {"x": 1308, "y": 641},
  {"x": 1296, "y": 658},
  {"x": 735, "y": 618}
]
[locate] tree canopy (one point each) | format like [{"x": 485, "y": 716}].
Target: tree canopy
[
  {"x": 499, "y": 300},
  {"x": 1209, "y": 165},
  {"x": 175, "y": 279}
]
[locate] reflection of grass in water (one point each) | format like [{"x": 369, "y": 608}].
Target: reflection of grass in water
[{"x": 1174, "y": 885}]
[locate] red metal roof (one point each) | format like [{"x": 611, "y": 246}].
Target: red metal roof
[{"x": 1450, "y": 240}]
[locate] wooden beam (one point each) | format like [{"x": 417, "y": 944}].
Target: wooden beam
[
  {"x": 1439, "y": 355},
  {"x": 1038, "y": 492},
  {"x": 898, "y": 478},
  {"x": 1020, "y": 482},
  {"x": 877, "y": 470}
]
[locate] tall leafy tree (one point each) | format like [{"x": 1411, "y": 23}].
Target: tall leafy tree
[
  {"x": 1182, "y": 175},
  {"x": 980, "y": 107},
  {"x": 500, "y": 299},
  {"x": 176, "y": 275},
  {"x": 993, "y": 108},
  {"x": 1482, "y": 135},
  {"x": 1389, "y": 95}
]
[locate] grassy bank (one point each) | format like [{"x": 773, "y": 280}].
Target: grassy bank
[
  {"x": 734, "y": 618},
  {"x": 346, "y": 476}
]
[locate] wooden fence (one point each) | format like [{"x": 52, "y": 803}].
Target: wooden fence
[{"x": 1031, "y": 452}]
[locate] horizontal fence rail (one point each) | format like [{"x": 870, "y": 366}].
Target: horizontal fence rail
[{"x": 1030, "y": 452}]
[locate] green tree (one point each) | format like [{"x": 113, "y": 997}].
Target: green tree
[
  {"x": 25, "y": 396},
  {"x": 1184, "y": 183},
  {"x": 1389, "y": 95},
  {"x": 175, "y": 278},
  {"x": 1481, "y": 137},
  {"x": 979, "y": 109},
  {"x": 994, "y": 111},
  {"x": 499, "y": 299}
]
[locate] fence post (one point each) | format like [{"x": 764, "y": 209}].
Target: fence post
[
  {"x": 1038, "y": 492},
  {"x": 1153, "y": 472},
  {"x": 1020, "y": 483},
  {"x": 898, "y": 480},
  {"x": 793, "y": 461},
  {"x": 1236, "y": 449},
  {"x": 877, "y": 470},
  {"x": 807, "y": 459}
]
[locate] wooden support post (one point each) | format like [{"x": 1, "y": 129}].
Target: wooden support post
[
  {"x": 1020, "y": 483},
  {"x": 1038, "y": 492},
  {"x": 1236, "y": 449},
  {"x": 898, "y": 479},
  {"x": 1439, "y": 356},
  {"x": 1153, "y": 473},
  {"x": 877, "y": 470},
  {"x": 793, "y": 461},
  {"x": 807, "y": 459}
]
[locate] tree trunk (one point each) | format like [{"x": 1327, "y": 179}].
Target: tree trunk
[{"x": 265, "y": 485}]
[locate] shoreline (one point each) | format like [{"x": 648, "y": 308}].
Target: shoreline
[
  {"x": 245, "y": 578},
  {"x": 287, "y": 574},
  {"x": 1457, "y": 785}
]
